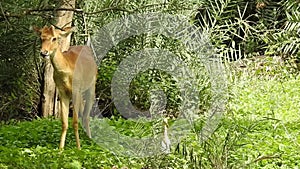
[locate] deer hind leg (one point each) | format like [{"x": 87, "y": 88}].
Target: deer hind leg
[
  {"x": 64, "y": 112},
  {"x": 89, "y": 101},
  {"x": 77, "y": 101}
]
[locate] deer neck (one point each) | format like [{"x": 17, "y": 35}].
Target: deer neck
[{"x": 59, "y": 61}]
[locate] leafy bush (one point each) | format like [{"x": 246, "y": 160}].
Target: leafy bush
[
  {"x": 19, "y": 68},
  {"x": 145, "y": 81}
]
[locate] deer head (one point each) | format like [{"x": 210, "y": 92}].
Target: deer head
[{"x": 50, "y": 39}]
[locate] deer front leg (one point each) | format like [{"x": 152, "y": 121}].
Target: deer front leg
[{"x": 64, "y": 103}]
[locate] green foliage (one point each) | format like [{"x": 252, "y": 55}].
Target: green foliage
[
  {"x": 145, "y": 81},
  {"x": 264, "y": 111},
  {"x": 19, "y": 65},
  {"x": 285, "y": 41},
  {"x": 241, "y": 29},
  {"x": 243, "y": 140},
  {"x": 260, "y": 128},
  {"x": 237, "y": 29},
  {"x": 232, "y": 27}
]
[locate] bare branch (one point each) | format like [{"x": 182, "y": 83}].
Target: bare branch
[
  {"x": 36, "y": 11},
  {"x": 5, "y": 15},
  {"x": 2, "y": 12},
  {"x": 115, "y": 8},
  {"x": 266, "y": 158}
]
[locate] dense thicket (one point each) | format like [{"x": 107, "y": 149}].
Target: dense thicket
[{"x": 237, "y": 29}]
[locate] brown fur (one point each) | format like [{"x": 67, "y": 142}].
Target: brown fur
[{"x": 64, "y": 76}]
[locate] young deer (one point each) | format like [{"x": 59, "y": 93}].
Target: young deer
[{"x": 69, "y": 81}]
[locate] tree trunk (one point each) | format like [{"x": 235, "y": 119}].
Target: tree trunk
[
  {"x": 64, "y": 19},
  {"x": 50, "y": 105},
  {"x": 48, "y": 96}
]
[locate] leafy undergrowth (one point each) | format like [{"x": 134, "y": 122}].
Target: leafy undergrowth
[
  {"x": 237, "y": 143},
  {"x": 34, "y": 145},
  {"x": 261, "y": 129}
]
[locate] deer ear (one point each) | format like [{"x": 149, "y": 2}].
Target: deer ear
[
  {"x": 67, "y": 31},
  {"x": 52, "y": 28},
  {"x": 35, "y": 29}
]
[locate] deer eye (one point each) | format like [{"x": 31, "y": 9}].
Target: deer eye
[{"x": 53, "y": 39}]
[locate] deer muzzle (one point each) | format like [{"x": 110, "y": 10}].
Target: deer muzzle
[{"x": 44, "y": 54}]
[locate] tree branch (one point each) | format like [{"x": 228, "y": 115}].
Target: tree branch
[
  {"x": 5, "y": 14},
  {"x": 115, "y": 8},
  {"x": 2, "y": 12},
  {"x": 36, "y": 11}
]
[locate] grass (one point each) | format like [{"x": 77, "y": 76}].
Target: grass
[
  {"x": 238, "y": 143},
  {"x": 261, "y": 129}
]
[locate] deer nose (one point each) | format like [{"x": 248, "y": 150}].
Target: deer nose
[{"x": 44, "y": 53}]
